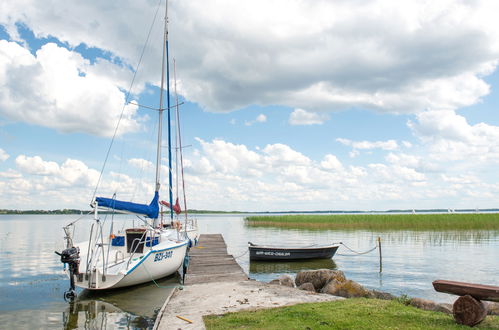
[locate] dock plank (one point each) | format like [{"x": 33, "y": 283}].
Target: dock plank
[{"x": 210, "y": 262}]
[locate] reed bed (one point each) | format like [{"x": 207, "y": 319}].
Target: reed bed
[{"x": 446, "y": 221}]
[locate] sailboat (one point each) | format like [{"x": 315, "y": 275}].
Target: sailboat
[{"x": 133, "y": 255}]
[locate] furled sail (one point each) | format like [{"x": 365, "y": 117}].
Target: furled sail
[
  {"x": 150, "y": 211},
  {"x": 175, "y": 207}
]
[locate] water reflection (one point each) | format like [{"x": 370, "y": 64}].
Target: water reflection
[
  {"x": 133, "y": 307},
  {"x": 282, "y": 267},
  {"x": 440, "y": 237},
  {"x": 91, "y": 314}
]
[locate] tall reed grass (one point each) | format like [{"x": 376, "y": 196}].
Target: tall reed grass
[{"x": 446, "y": 221}]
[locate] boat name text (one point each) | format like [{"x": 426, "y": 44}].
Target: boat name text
[
  {"x": 163, "y": 255},
  {"x": 272, "y": 253}
]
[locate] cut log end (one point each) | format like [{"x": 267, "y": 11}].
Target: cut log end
[{"x": 469, "y": 311}]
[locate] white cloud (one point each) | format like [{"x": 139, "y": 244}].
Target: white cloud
[
  {"x": 222, "y": 175},
  {"x": 3, "y": 155},
  {"x": 450, "y": 137},
  {"x": 10, "y": 174},
  {"x": 141, "y": 164},
  {"x": 261, "y": 118},
  {"x": 226, "y": 157},
  {"x": 407, "y": 144},
  {"x": 303, "y": 117},
  {"x": 398, "y": 57},
  {"x": 330, "y": 162},
  {"x": 57, "y": 88},
  {"x": 36, "y": 165},
  {"x": 42, "y": 184},
  {"x": 71, "y": 172},
  {"x": 403, "y": 159},
  {"x": 368, "y": 145},
  {"x": 396, "y": 173},
  {"x": 278, "y": 154}
]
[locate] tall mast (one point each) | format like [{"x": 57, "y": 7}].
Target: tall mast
[{"x": 160, "y": 116}]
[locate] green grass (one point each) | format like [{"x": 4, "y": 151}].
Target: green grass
[
  {"x": 451, "y": 221},
  {"x": 342, "y": 314}
]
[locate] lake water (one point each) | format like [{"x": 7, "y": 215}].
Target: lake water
[{"x": 32, "y": 281}]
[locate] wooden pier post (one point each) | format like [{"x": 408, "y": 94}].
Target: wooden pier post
[{"x": 380, "y": 256}]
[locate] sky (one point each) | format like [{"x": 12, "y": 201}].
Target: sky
[{"x": 285, "y": 104}]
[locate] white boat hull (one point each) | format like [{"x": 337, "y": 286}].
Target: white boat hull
[{"x": 162, "y": 260}]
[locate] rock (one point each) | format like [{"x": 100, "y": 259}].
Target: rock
[
  {"x": 425, "y": 304},
  {"x": 332, "y": 288},
  {"x": 337, "y": 275},
  {"x": 492, "y": 308},
  {"x": 285, "y": 280},
  {"x": 347, "y": 289},
  {"x": 443, "y": 308},
  {"x": 381, "y": 295},
  {"x": 319, "y": 278},
  {"x": 307, "y": 287}
]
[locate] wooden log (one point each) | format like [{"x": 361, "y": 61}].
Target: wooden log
[
  {"x": 479, "y": 291},
  {"x": 468, "y": 310}
]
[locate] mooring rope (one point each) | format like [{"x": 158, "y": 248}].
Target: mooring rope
[
  {"x": 356, "y": 253},
  {"x": 241, "y": 255},
  {"x": 180, "y": 286}
]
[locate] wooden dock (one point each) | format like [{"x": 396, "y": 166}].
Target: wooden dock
[
  {"x": 210, "y": 262},
  {"x": 216, "y": 284}
]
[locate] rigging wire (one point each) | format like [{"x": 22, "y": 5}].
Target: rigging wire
[
  {"x": 126, "y": 101},
  {"x": 177, "y": 128},
  {"x": 180, "y": 140}
]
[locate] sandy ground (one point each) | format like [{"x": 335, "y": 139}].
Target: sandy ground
[{"x": 197, "y": 300}]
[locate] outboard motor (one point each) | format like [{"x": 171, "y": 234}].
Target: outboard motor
[{"x": 71, "y": 256}]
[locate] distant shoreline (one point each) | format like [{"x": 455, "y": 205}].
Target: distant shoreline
[{"x": 75, "y": 211}]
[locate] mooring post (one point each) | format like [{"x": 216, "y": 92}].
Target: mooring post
[{"x": 380, "y": 255}]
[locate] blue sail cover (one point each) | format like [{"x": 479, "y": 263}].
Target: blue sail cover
[{"x": 151, "y": 210}]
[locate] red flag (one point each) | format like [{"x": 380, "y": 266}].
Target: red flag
[{"x": 176, "y": 207}]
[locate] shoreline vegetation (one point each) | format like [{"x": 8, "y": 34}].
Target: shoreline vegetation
[
  {"x": 329, "y": 212},
  {"x": 441, "y": 221},
  {"x": 353, "y": 313},
  {"x": 75, "y": 211}
]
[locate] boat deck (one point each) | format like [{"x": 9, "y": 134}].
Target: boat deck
[{"x": 210, "y": 262}]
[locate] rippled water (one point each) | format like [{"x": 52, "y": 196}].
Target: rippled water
[{"x": 32, "y": 281}]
